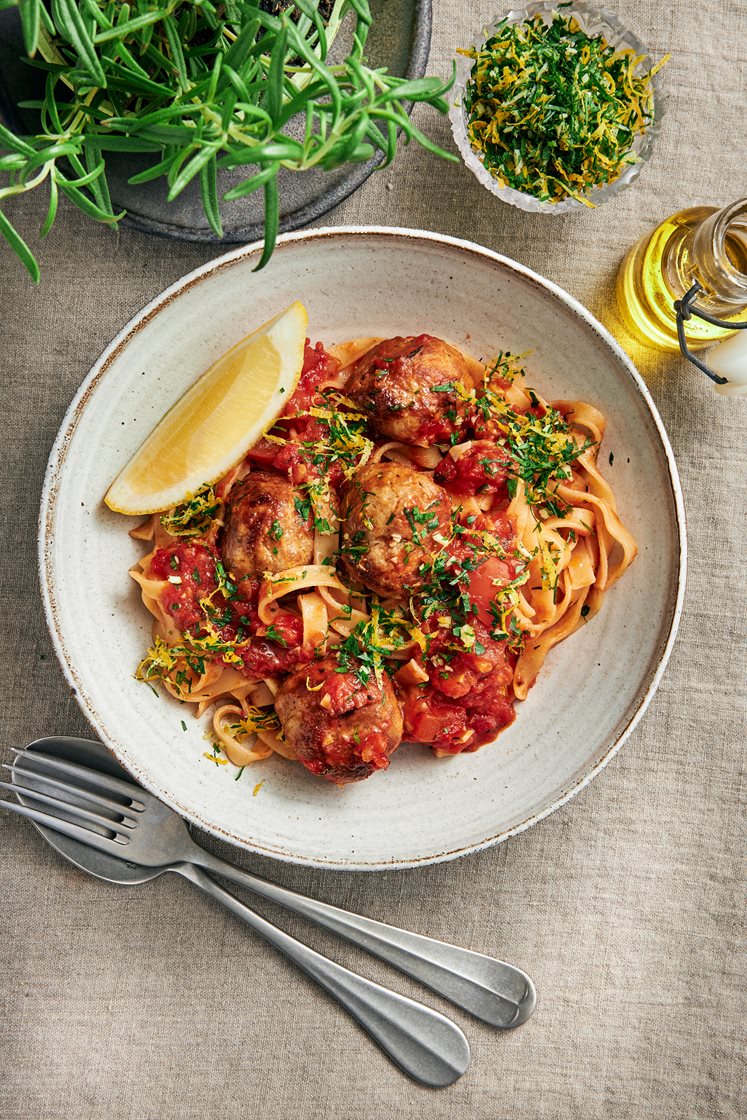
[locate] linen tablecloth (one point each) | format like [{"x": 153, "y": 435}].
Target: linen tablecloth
[{"x": 152, "y": 1002}]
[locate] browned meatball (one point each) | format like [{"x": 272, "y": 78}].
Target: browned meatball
[
  {"x": 391, "y": 515},
  {"x": 264, "y": 532},
  {"x": 409, "y": 387},
  {"x": 338, "y": 727}
]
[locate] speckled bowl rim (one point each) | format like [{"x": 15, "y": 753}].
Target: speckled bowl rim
[{"x": 70, "y": 423}]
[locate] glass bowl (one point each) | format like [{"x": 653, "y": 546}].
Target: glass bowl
[{"x": 594, "y": 21}]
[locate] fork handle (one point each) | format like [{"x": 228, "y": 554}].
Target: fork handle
[
  {"x": 422, "y": 1042},
  {"x": 495, "y": 992}
]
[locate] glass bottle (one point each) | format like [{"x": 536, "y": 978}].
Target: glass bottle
[{"x": 701, "y": 243}]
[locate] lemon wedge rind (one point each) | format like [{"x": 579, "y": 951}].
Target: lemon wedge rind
[{"x": 212, "y": 426}]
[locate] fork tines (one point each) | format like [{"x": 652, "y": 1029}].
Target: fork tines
[{"x": 37, "y": 762}]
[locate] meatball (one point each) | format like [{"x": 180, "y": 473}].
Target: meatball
[
  {"x": 392, "y": 517},
  {"x": 412, "y": 389},
  {"x": 338, "y": 727},
  {"x": 264, "y": 532}
]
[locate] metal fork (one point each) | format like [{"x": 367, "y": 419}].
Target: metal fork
[
  {"x": 425, "y": 1044},
  {"x": 122, "y": 819}
]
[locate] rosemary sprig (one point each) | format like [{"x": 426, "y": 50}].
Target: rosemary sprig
[{"x": 201, "y": 85}]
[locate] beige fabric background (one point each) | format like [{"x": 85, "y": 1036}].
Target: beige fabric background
[{"x": 131, "y": 1005}]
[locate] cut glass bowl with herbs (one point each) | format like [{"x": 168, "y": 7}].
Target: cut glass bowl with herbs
[
  {"x": 557, "y": 107},
  {"x": 198, "y": 88}
]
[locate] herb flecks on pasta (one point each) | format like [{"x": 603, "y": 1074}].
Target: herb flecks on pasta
[{"x": 193, "y": 517}]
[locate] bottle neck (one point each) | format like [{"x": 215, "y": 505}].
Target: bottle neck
[{"x": 719, "y": 257}]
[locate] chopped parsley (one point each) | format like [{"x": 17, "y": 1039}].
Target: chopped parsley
[
  {"x": 354, "y": 547},
  {"x": 554, "y": 112},
  {"x": 421, "y": 522},
  {"x": 370, "y": 642},
  {"x": 539, "y": 449},
  {"x": 193, "y": 517},
  {"x": 225, "y": 583},
  {"x": 303, "y": 507},
  {"x": 273, "y": 635},
  {"x": 445, "y": 587}
]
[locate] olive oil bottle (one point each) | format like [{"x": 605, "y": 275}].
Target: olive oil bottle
[{"x": 700, "y": 244}]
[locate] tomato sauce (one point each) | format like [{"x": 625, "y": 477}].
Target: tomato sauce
[
  {"x": 265, "y": 651},
  {"x": 347, "y": 693},
  {"x": 191, "y": 575},
  {"x": 439, "y": 429},
  {"x": 264, "y": 658},
  {"x": 481, "y": 470},
  {"x": 342, "y": 757},
  {"x": 468, "y": 697},
  {"x": 466, "y": 702},
  {"x": 318, "y": 367},
  {"x": 289, "y": 458}
]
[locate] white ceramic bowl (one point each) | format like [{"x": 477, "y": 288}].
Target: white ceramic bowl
[{"x": 367, "y": 281}]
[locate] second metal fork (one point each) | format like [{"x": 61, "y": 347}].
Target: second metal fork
[{"x": 122, "y": 819}]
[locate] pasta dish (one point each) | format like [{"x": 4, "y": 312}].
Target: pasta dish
[{"x": 393, "y": 561}]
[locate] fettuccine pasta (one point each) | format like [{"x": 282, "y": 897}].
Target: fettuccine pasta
[{"x": 394, "y": 560}]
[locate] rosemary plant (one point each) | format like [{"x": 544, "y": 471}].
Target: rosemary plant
[{"x": 202, "y": 85}]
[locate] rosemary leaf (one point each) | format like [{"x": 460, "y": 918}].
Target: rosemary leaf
[
  {"x": 19, "y": 246},
  {"x": 203, "y": 86}
]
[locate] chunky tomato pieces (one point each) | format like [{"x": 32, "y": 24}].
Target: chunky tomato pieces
[
  {"x": 483, "y": 469},
  {"x": 469, "y": 696},
  {"x": 285, "y": 458},
  {"x": 263, "y": 454},
  {"x": 293, "y": 459},
  {"x": 344, "y": 692},
  {"x": 490, "y": 577},
  {"x": 318, "y": 367},
  {"x": 262, "y": 657},
  {"x": 464, "y": 705},
  {"x": 190, "y": 572},
  {"x": 439, "y": 429},
  {"x": 342, "y": 756},
  {"x": 191, "y": 597},
  {"x": 266, "y": 650}
]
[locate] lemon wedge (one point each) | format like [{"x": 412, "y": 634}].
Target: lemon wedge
[{"x": 210, "y": 428}]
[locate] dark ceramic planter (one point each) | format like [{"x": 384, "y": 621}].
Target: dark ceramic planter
[{"x": 400, "y": 40}]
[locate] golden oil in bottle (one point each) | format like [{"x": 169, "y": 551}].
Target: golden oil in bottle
[{"x": 701, "y": 243}]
